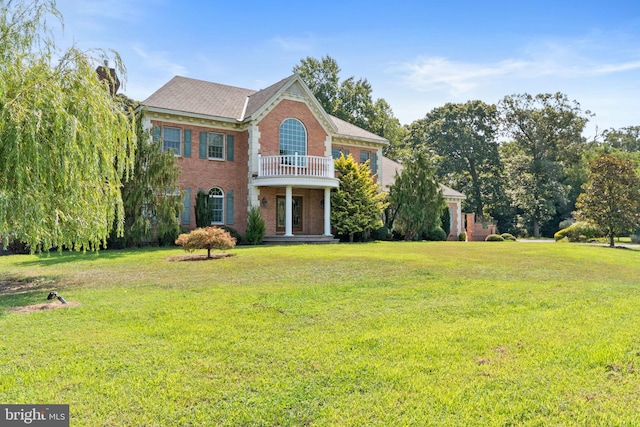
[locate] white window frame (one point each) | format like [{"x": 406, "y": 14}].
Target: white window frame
[
  {"x": 164, "y": 141},
  {"x": 220, "y": 197},
  {"x": 209, "y": 145},
  {"x": 287, "y": 140}
]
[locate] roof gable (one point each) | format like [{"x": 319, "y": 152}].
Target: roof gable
[{"x": 292, "y": 88}]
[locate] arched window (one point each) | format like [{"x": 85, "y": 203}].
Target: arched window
[
  {"x": 293, "y": 138},
  {"x": 216, "y": 200}
]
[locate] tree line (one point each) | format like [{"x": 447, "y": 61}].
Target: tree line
[
  {"x": 523, "y": 162},
  {"x": 78, "y": 170}
]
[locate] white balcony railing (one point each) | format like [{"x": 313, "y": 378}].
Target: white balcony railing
[{"x": 296, "y": 165}]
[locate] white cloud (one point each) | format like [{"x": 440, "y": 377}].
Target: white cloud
[
  {"x": 425, "y": 74},
  {"x": 159, "y": 62},
  {"x": 457, "y": 78},
  {"x": 293, "y": 44}
]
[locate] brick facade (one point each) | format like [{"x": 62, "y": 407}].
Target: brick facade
[
  {"x": 192, "y": 106},
  {"x": 270, "y": 128}
]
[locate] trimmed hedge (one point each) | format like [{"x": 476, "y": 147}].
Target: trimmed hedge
[
  {"x": 494, "y": 238},
  {"x": 508, "y": 236},
  {"x": 578, "y": 232},
  {"x": 436, "y": 235},
  {"x": 382, "y": 233}
]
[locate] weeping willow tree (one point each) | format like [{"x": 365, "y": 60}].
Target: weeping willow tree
[{"x": 65, "y": 147}]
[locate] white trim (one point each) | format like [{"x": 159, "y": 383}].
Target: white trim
[
  {"x": 188, "y": 114},
  {"x": 307, "y": 98},
  {"x": 244, "y": 109}
]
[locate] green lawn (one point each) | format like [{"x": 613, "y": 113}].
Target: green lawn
[{"x": 447, "y": 334}]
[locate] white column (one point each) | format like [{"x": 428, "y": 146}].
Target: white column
[
  {"x": 327, "y": 211},
  {"x": 288, "y": 227}
]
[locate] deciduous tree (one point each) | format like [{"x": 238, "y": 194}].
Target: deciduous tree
[
  {"x": 461, "y": 138},
  {"x": 624, "y": 139},
  {"x": 206, "y": 238},
  {"x": 548, "y": 131},
  {"x": 350, "y": 99},
  {"x": 65, "y": 145},
  {"x": 611, "y": 198}
]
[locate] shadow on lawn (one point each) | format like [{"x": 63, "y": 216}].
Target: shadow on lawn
[
  {"x": 55, "y": 258},
  {"x": 18, "y": 292}
]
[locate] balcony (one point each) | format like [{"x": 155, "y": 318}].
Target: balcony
[{"x": 296, "y": 170}]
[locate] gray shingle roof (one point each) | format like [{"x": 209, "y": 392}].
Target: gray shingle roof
[
  {"x": 194, "y": 96},
  {"x": 261, "y": 97},
  {"x": 200, "y": 97},
  {"x": 347, "y": 129}
]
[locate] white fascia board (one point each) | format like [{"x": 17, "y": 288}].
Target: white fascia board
[{"x": 192, "y": 115}]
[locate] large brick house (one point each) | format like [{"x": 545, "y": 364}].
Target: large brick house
[{"x": 272, "y": 148}]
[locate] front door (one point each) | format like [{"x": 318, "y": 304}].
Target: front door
[{"x": 296, "y": 214}]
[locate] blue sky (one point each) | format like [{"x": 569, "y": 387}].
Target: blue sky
[{"x": 417, "y": 55}]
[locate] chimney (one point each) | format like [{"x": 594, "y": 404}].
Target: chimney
[{"x": 109, "y": 74}]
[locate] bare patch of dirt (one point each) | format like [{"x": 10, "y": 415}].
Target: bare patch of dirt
[
  {"x": 198, "y": 257},
  {"x": 46, "y": 306},
  {"x": 22, "y": 286}
]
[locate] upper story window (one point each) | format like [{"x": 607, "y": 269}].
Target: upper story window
[
  {"x": 171, "y": 140},
  {"x": 372, "y": 157},
  {"x": 337, "y": 152},
  {"x": 293, "y": 138},
  {"x": 215, "y": 146},
  {"x": 364, "y": 156}
]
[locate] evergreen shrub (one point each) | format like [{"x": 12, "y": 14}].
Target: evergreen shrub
[
  {"x": 494, "y": 238},
  {"x": 382, "y": 233},
  {"x": 255, "y": 227},
  {"x": 436, "y": 235}
]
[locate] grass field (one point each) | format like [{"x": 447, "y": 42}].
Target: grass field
[{"x": 378, "y": 334}]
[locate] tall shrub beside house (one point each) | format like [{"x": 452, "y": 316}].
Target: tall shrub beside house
[
  {"x": 204, "y": 211},
  {"x": 255, "y": 228},
  {"x": 152, "y": 201},
  {"x": 417, "y": 199},
  {"x": 357, "y": 206}
]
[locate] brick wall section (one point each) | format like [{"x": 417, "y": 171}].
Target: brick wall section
[
  {"x": 197, "y": 173},
  {"x": 453, "y": 209},
  {"x": 270, "y": 128},
  {"x": 269, "y": 211},
  {"x": 312, "y": 209}
]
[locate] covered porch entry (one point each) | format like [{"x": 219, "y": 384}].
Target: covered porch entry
[
  {"x": 296, "y": 215},
  {"x": 294, "y": 194}
]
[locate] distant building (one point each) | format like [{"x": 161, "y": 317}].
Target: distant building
[{"x": 452, "y": 197}]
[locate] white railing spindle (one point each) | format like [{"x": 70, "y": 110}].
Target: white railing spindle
[{"x": 295, "y": 165}]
